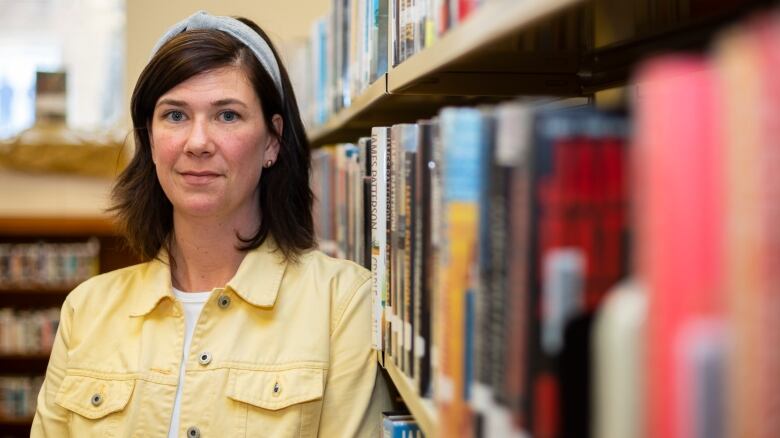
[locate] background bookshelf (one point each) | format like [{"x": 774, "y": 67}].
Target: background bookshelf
[
  {"x": 19, "y": 364},
  {"x": 494, "y": 55},
  {"x": 486, "y": 59},
  {"x": 458, "y": 70}
]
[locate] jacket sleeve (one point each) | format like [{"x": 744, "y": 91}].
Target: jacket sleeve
[
  {"x": 51, "y": 420},
  {"x": 355, "y": 393}
]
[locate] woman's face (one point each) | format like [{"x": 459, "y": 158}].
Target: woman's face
[{"x": 209, "y": 140}]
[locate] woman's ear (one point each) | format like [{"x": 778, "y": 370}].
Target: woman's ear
[{"x": 272, "y": 150}]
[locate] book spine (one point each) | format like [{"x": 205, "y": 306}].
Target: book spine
[
  {"x": 392, "y": 239},
  {"x": 482, "y": 290},
  {"x": 366, "y": 233},
  {"x": 423, "y": 259},
  {"x": 376, "y": 265},
  {"x": 461, "y": 136},
  {"x": 411, "y": 138},
  {"x": 383, "y": 188}
]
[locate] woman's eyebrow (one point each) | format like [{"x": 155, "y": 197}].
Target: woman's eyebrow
[
  {"x": 228, "y": 101},
  {"x": 171, "y": 102}
]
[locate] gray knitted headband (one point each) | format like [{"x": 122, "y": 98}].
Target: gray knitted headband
[{"x": 234, "y": 28}]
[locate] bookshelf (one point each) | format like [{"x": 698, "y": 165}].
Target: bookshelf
[
  {"x": 15, "y": 426},
  {"x": 56, "y": 226},
  {"x": 459, "y": 58},
  {"x": 478, "y": 62},
  {"x": 344, "y": 123},
  {"x": 25, "y": 363},
  {"x": 423, "y": 409},
  {"x": 457, "y": 71},
  {"x": 481, "y": 61},
  {"x": 38, "y": 296}
]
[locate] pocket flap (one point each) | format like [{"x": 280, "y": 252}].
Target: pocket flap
[
  {"x": 94, "y": 398},
  {"x": 277, "y": 389}
]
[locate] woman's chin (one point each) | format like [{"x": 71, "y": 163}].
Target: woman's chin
[{"x": 198, "y": 209}]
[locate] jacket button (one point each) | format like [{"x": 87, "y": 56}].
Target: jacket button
[
  {"x": 193, "y": 432},
  {"x": 96, "y": 400},
  {"x": 224, "y": 301},
  {"x": 277, "y": 389},
  {"x": 204, "y": 358}
]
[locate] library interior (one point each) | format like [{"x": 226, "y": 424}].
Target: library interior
[{"x": 537, "y": 261}]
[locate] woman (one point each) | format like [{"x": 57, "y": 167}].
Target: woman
[{"x": 235, "y": 326}]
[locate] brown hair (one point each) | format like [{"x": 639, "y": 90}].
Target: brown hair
[{"x": 144, "y": 212}]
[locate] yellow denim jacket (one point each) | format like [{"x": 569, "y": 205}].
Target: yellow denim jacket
[{"x": 283, "y": 350}]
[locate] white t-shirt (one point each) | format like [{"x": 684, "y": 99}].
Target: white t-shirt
[{"x": 192, "y": 302}]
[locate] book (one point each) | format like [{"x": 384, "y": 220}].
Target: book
[
  {"x": 461, "y": 133},
  {"x": 395, "y": 425},
  {"x": 410, "y": 142},
  {"x": 423, "y": 259},
  {"x": 619, "y": 363},
  {"x": 379, "y": 221},
  {"x": 681, "y": 269}
]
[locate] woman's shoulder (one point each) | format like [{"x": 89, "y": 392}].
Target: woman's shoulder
[
  {"x": 340, "y": 274},
  {"x": 346, "y": 282},
  {"x": 104, "y": 286},
  {"x": 332, "y": 266}
]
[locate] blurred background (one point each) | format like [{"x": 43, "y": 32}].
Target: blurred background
[
  {"x": 102, "y": 46},
  {"x": 569, "y": 207}
]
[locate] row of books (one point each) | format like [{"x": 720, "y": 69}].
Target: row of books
[
  {"x": 707, "y": 241},
  {"x": 474, "y": 220},
  {"x": 18, "y": 396},
  {"x": 417, "y": 24},
  {"x": 651, "y": 16},
  {"x": 27, "y": 331},
  {"x": 502, "y": 283},
  {"x": 347, "y": 50},
  {"x": 341, "y": 186},
  {"x": 359, "y": 40},
  {"x": 48, "y": 265},
  {"x": 400, "y": 425}
]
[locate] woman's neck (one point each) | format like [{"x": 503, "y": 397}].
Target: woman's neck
[{"x": 205, "y": 253}]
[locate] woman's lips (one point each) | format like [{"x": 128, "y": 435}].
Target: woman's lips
[{"x": 199, "y": 177}]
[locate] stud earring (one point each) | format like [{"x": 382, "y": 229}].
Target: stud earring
[{"x": 269, "y": 163}]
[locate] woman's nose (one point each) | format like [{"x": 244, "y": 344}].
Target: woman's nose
[{"x": 199, "y": 141}]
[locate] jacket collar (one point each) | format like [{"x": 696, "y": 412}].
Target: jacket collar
[
  {"x": 257, "y": 279},
  {"x": 260, "y": 274}
]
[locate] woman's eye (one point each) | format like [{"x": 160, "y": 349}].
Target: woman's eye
[
  {"x": 175, "y": 116},
  {"x": 229, "y": 116}
]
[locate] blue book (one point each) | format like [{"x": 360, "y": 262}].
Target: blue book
[{"x": 401, "y": 426}]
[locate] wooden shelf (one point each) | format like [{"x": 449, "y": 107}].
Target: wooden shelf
[
  {"x": 15, "y": 427},
  {"x": 25, "y": 421},
  {"x": 345, "y": 119},
  {"x": 24, "y": 357},
  {"x": 457, "y": 70},
  {"x": 423, "y": 409},
  {"x": 57, "y": 226},
  {"x": 33, "y": 298},
  {"x": 36, "y": 291},
  {"x": 467, "y": 47},
  {"x": 32, "y": 364}
]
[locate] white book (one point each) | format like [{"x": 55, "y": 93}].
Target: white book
[
  {"x": 618, "y": 363},
  {"x": 379, "y": 150}
]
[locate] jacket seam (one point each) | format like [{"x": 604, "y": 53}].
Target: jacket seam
[
  {"x": 340, "y": 310},
  {"x": 266, "y": 367}
]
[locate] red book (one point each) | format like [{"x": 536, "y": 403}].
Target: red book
[
  {"x": 677, "y": 160},
  {"x": 465, "y": 7},
  {"x": 748, "y": 61}
]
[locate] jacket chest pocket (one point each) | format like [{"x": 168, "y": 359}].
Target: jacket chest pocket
[
  {"x": 97, "y": 404},
  {"x": 281, "y": 403}
]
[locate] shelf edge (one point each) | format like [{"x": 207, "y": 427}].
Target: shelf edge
[
  {"x": 499, "y": 18},
  {"x": 423, "y": 409}
]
